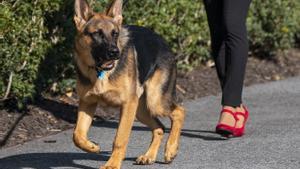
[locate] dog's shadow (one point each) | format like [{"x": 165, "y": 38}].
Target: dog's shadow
[
  {"x": 57, "y": 160},
  {"x": 201, "y": 134},
  {"x": 50, "y": 160}
]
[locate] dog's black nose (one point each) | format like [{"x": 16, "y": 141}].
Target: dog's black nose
[{"x": 114, "y": 53}]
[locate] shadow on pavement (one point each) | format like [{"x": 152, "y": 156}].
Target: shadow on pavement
[
  {"x": 202, "y": 134},
  {"x": 60, "y": 110},
  {"x": 12, "y": 128},
  {"x": 50, "y": 160}
]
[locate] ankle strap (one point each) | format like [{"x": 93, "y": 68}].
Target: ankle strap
[
  {"x": 230, "y": 112},
  {"x": 241, "y": 113}
]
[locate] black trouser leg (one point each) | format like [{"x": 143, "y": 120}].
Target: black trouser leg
[
  {"x": 227, "y": 20},
  {"x": 214, "y": 15}
]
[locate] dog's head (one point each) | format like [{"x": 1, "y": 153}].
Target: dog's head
[{"x": 98, "y": 34}]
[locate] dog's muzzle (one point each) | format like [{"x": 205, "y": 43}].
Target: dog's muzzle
[
  {"x": 113, "y": 54},
  {"x": 105, "y": 58}
]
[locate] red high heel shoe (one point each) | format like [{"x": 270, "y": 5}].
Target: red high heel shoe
[
  {"x": 224, "y": 129},
  {"x": 238, "y": 132}
]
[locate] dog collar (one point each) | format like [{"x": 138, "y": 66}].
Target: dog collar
[{"x": 100, "y": 74}]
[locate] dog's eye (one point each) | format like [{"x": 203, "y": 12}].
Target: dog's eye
[
  {"x": 114, "y": 34},
  {"x": 87, "y": 33},
  {"x": 98, "y": 33}
]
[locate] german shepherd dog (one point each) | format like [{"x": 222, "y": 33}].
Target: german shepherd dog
[{"x": 129, "y": 67}]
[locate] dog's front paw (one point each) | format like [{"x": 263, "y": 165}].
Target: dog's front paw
[
  {"x": 112, "y": 164},
  {"x": 109, "y": 167},
  {"x": 170, "y": 153},
  {"x": 169, "y": 157},
  {"x": 145, "y": 160},
  {"x": 86, "y": 145}
]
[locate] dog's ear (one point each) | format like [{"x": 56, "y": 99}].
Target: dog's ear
[
  {"x": 114, "y": 10},
  {"x": 82, "y": 13}
]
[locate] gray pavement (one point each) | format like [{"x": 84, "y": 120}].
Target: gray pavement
[{"x": 272, "y": 139}]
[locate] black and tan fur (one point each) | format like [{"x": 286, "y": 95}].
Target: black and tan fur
[{"x": 140, "y": 79}]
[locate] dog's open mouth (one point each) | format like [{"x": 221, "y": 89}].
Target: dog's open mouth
[{"x": 108, "y": 65}]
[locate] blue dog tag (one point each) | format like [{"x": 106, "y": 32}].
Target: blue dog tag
[{"x": 100, "y": 74}]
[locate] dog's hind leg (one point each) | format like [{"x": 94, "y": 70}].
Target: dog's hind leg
[
  {"x": 160, "y": 102},
  {"x": 144, "y": 116},
  {"x": 84, "y": 120},
  {"x": 177, "y": 119}
]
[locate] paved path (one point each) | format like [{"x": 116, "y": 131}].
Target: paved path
[{"x": 272, "y": 139}]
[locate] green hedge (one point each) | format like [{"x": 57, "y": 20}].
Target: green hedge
[
  {"x": 23, "y": 44},
  {"x": 35, "y": 46},
  {"x": 36, "y": 37},
  {"x": 273, "y": 25}
]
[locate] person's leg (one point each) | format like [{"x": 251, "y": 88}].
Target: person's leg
[
  {"x": 236, "y": 42},
  {"x": 214, "y": 11}
]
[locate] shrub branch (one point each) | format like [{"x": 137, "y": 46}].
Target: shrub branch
[
  {"x": 8, "y": 86},
  {"x": 10, "y": 79}
]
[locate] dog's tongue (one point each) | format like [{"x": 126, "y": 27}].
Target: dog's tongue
[{"x": 108, "y": 65}]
